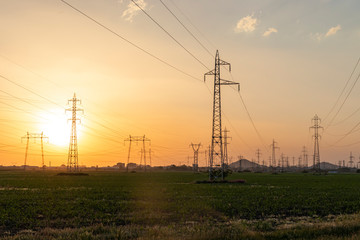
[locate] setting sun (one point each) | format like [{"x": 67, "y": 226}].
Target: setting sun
[{"x": 56, "y": 126}]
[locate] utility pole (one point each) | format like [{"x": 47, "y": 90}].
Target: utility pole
[
  {"x": 196, "y": 148},
  {"x": 316, "y": 160},
  {"x": 137, "y": 139},
  {"x": 226, "y": 158},
  {"x": 73, "y": 158},
  {"x": 216, "y": 168},
  {"x": 273, "y": 148},
  {"x": 358, "y": 164},
  {"x": 35, "y": 136}
]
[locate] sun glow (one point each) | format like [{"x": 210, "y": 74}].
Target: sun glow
[{"x": 56, "y": 126}]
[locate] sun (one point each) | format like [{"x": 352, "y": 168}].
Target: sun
[{"x": 55, "y": 125}]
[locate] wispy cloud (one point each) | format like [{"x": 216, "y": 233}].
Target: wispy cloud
[
  {"x": 132, "y": 9},
  {"x": 330, "y": 32},
  {"x": 246, "y": 24},
  {"x": 333, "y": 30},
  {"x": 270, "y": 31}
]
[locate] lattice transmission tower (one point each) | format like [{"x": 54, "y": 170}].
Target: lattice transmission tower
[
  {"x": 258, "y": 154},
  {"x": 273, "y": 154},
  {"x": 196, "y": 148},
  {"x": 316, "y": 158},
  {"x": 226, "y": 156},
  {"x": 351, "y": 161},
  {"x": 305, "y": 157},
  {"x": 216, "y": 166},
  {"x": 73, "y": 155},
  {"x": 137, "y": 139},
  {"x": 35, "y": 136}
]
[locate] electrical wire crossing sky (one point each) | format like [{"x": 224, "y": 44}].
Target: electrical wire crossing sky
[{"x": 138, "y": 65}]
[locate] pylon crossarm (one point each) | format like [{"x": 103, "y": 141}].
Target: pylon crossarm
[
  {"x": 222, "y": 62},
  {"x": 212, "y": 72}
]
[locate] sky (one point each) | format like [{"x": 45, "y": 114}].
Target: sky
[{"x": 293, "y": 59}]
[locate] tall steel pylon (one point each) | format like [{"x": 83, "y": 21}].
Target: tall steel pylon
[
  {"x": 216, "y": 167},
  {"x": 196, "y": 148},
  {"x": 258, "y": 154},
  {"x": 273, "y": 155},
  {"x": 137, "y": 139},
  {"x": 305, "y": 157},
  {"x": 35, "y": 136},
  {"x": 226, "y": 156},
  {"x": 73, "y": 158},
  {"x": 316, "y": 158},
  {"x": 351, "y": 161}
]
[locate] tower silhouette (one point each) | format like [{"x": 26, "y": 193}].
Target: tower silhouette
[
  {"x": 196, "y": 148},
  {"x": 73, "y": 158},
  {"x": 216, "y": 166},
  {"x": 316, "y": 158}
]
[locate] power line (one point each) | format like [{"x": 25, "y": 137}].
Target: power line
[
  {"x": 29, "y": 90},
  {"x": 128, "y": 41},
  {"x": 192, "y": 24},
  {"x": 352, "y": 87},
  {"x": 172, "y": 13},
  {"x": 171, "y": 36},
  {"x": 252, "y": 122}
]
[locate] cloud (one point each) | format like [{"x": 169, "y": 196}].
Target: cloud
[
  {"x": 246, "y": 24},
  {"x": 333, "y": 30},
  {"x": 330, "y": 32},
  {"x": 270, "y": 31},
  {"x": 132, "y": 10}
]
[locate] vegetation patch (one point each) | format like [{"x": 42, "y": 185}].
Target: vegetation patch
[{"x": 165, "y": 205}]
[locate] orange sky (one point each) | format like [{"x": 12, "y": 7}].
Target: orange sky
[{"x": 292, "y": 60}]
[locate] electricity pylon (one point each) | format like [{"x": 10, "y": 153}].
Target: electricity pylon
[
  {"x": 35, "y": 136},
  {"x": 137, "y": 139},
  {"x": 216, "y": 167},
  {"x": 351, "y": 162},
  {"x": 316, "y": 160},
  {"x": 282, "y": 158},
  {"x": 273, "y": 156},
  {"x": 73, "y": 158},
  {"x": 258, "y": 154},
  {"x": 226, "y": 137},
  {"x": 196, "y": 148},
  {"x": 305, "y": 157}
]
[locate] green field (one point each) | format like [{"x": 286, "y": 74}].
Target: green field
[{"x": 169, "y": 205}]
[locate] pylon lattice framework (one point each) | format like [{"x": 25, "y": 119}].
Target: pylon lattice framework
[
  {"x": 35, "y": 136},
  {"x": 216, "y": 166},
  {"x": 73, "y": 158},
  {"x": 137, "y": 139},
  {"x": 273, "y": 155},
  {"x": 196, "y": 148},
  {"x": 316, "y": 158}
]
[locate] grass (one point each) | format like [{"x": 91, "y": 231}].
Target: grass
[{"x": 169, "y": 205}]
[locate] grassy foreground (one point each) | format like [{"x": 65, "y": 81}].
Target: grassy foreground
[{"x": 169, "y": 205}]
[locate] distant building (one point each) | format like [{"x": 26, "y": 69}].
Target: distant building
[
  {"x": 131, "y": 165},
  {"x": 120, "y": 165}
]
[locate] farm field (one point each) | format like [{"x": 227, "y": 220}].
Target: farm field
[{"x": 170, "y": 205}]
